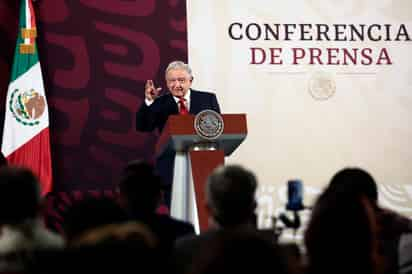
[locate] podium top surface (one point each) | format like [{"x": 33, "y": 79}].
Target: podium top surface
[{"x": 179, "y": 134}]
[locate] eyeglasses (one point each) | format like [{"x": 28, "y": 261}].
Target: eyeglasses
[{"x": 180, "y": 80}]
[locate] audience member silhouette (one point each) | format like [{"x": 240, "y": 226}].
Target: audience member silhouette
[
  {"x": 230, "y": 197},
  {"x": 90, "y": 213},
  {"x": 230, "y": 200},
  {"x": 358, "y": 182},
  {"x": 341, "y": 235},
  {"x": 405, "y": 254},
  {"x": 238, "y": 252},
  {"x": 22, "y": 229},
  {"x": 140, "y": 192},
  {"x": 114, "y": 248}
]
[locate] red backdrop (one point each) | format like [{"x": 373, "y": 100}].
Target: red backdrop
[{"x": 96, "y": 56}]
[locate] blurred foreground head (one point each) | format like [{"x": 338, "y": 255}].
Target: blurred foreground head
[
  {"x": 140, "y": 187},
  {"x": 355, "y": 181},
  {"x": 230, "y": 195},
  {"x": 342, "y": 234},
  {"x": 19, "y": 195}
]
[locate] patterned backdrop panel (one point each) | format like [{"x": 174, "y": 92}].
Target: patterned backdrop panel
[{"x": 96, "y": 56}]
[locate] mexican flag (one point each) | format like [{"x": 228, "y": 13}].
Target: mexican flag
[{"x": 26, "y": 139}]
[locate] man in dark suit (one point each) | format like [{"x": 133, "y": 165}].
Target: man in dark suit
[{"x": 181, "y": 99}]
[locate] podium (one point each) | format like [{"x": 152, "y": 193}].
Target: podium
[{"x": 195, "y": 159}]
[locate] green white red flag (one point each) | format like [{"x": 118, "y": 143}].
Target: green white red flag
[{"x": 26, "y": 140}]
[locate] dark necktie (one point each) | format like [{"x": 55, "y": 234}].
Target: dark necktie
[{"x": 182, "y": 106}]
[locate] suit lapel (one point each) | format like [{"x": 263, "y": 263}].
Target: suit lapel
[
  {"x": 194, "y": 102},
  {"x": 173, "y": 109}
]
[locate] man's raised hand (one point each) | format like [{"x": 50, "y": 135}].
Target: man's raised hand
[{"x": 150, "y": 91}]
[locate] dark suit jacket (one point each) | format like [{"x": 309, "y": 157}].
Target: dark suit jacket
[
  {"x": 155, "y": 116},
  {"x": 189, "y": 247},
  {"x": 166, "y": 229}
]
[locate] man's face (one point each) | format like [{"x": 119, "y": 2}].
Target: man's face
[{"x": 178, "y": 81}]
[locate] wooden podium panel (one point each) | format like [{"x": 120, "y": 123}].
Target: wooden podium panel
[{"x": 203, "y": 163}]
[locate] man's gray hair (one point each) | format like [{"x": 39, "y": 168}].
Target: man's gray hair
[
  {"x": 179, "y": 65},
  {"x": 230, "y": 194}
]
